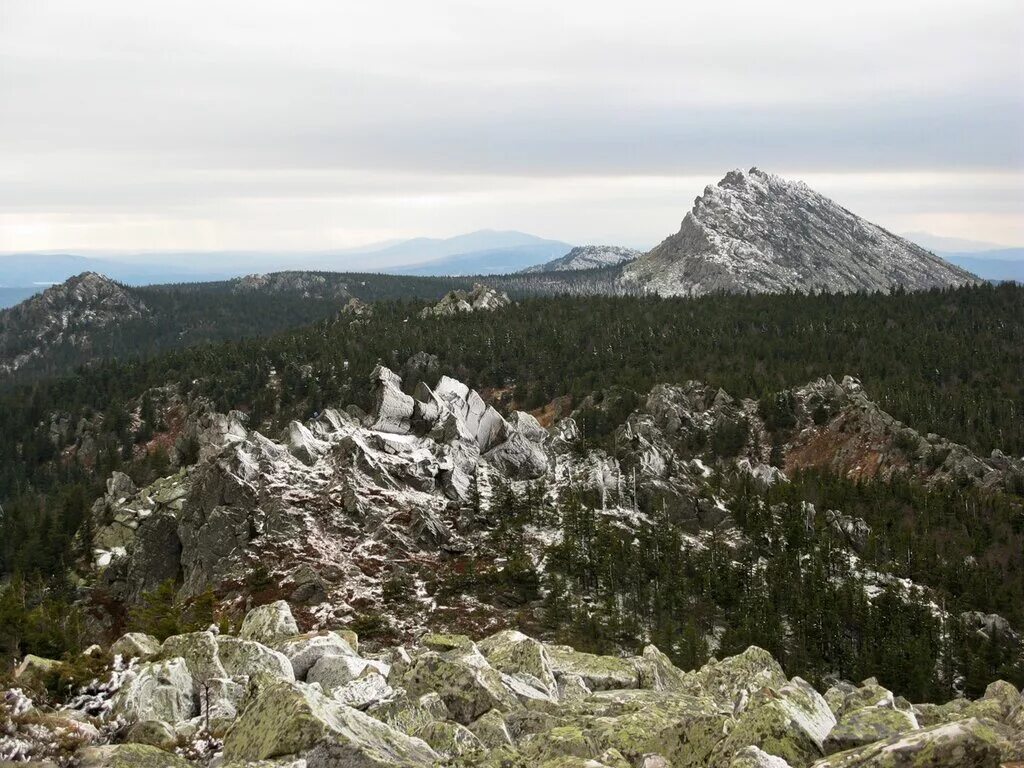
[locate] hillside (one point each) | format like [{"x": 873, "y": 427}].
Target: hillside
[
  {"x": 757, "y": 232},
  {"x": 588, "y": 257},
  {"x": 90, "y": 317}
]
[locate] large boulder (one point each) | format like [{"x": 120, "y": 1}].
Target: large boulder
[
  {"x": 736, "y": 677},
  {"x": 303, "y": 651},
  {"x": 868, "y": 724},
  {"x": 392, "y": 408},
  {"x": 269, "y": 624},
  {"x": 970, "y": 743},
  {"x": 253, "y": 659},
  {"x": 516, "y": 654},
  {"x": 199, "y": 650},
  {"x": 35, "y": 669},
  {"x": 333, "y": 672},
  {"x": 464, "y": 680},
  {"x": 289, "y": 718},
  {"x": 159, "y": 690},
  {"x": 599, "y": 673},
  {"x": 136, "y": 645},
  {"x": 791, "y": 722}
]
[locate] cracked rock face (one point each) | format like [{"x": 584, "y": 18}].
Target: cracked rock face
[{"x": 755, "y": 231}]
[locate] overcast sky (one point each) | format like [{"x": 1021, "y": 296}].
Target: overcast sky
[{"x": 311, "y": 125}]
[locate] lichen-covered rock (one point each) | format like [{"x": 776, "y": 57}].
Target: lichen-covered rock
[
  {"x": 450, "y": 739},
  {"x": 199, "y": 650},
  {"x": 333, "y": 672},
  {"x": 365, "y": 691},
  {"x": 791, "y": 723},
  {"x": 599, "y": 673},
  {"x": 159, "y": 690},
  {"x": 269, "y": 624},
  {"x": 220, "y": 701},
  {"x": 845, "y": 697},
  {"x": 289, "y": 718},
  {"x": 136, "y": 645},
  {"x": 491, "y": 729},
  {"x": 303, "y": 651},
  {"x": 658, "y": 672},
  {"x": 515, "y": 654},
  {"x": 35, "y": 669},
  {"x": 467, "y": 685},
  {"x": 970, "y": 743},
  {"x": 737, "y": 676},
  {"x": 754, "y": 757},
  {"x": 252, "y": 659},
  {"x": 156, "y": 733},
  {"x": 129, "y": 756},
  {"x": 868, "y": 724},
  {"x": 1005, "y": 695}
]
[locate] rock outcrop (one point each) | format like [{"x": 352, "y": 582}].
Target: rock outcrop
[
  {"x": 754, "y": 231},
  {"x": 588, "y": 257},
  {"x": 480, "y": 299}
]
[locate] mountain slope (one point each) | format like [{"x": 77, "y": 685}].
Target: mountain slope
[
  {"x": 758, "y": 232},
  {"x": 588, "y": 257}
]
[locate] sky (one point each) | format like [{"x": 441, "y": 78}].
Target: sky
[{"x": 138, "y": 126}]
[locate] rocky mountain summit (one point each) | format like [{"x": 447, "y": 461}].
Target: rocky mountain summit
[
  {"x": 273, "y": 695},
  {"x": 754, "y": 231},
  {"x": 479, "y": 298},
  {"x": 588, "y": 257},
  {"x": 64, "y": 314}
]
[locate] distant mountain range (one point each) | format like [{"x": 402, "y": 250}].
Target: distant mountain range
[{"x": 477, "y": 253}]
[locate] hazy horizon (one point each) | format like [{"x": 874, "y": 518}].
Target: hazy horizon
[{"x": 241, "y": 127}]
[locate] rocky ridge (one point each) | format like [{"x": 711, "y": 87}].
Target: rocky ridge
[
  {"x": 338, "y": 506},
  {"x": 758, "y": 232},
  {"x": 64, "y": 314},
  {"x": 273, "y": 695},
  {"x": 588, "y": 257},
  {"x": 479, "y": 298}
]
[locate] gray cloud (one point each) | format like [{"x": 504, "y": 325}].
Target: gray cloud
[{"x": 185, "y": 122}]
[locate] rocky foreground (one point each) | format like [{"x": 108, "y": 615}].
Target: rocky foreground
[{"x": 272, "y": 696}]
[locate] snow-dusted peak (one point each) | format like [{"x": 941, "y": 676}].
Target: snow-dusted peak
[{"x": 756, "y": 231}]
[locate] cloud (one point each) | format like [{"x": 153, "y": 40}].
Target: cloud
[{"x": 319, "y": 123}]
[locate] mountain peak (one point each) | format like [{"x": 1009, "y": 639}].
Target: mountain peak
[{"x": 756, "y": 231}]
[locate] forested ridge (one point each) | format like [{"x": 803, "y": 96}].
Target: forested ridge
[{"x": 943, "y": 361}]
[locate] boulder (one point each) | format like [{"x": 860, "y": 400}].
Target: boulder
[
  {"x": 467, "y": 685},
  {"x": 129, "y": 756},
  {"x": 367, "y": 690},
  {"x": 658, "y": 672},
  {"x": 598, "y": 673},
  {"x": 753, "y": 757},
  {"x": 868, "y": 724},
  {"x": 845, "y": 697},
  {"x": 159, "y": 690},
  {"x": 269, "y": 624},
  {"x": 220, "y": 701},
  {"x": 491, "y": 729},
  {"x": 333, "y": 672},
  {"x": 156, "y": 733},
  {"x": 738, "y": 676},
  {"x": 289, "y": 718},
  {"x": 1005, "y": 695},
  {"x": 392, "y": 408},
  {"x": 252, "y": 659},
  {"x": 304, "y": 651},
  {"x": 136, "y": 645},
  {"x": 199, "y": 650},
  {"x": 791, "y": 723},
  {"x": 35, "y": 669},
  {"x": 516, "y": 654},
  {"x": 450, "y": 739},
  {"x": 969, "y": 743}
]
